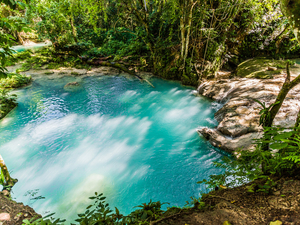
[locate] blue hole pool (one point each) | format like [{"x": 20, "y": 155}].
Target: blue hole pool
[{"x": 112, "y": 135}]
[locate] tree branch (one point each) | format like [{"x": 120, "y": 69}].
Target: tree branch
[{"x": 120, "y": 67}]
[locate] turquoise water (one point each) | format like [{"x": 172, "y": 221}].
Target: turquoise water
[
  {"x": 37, "y": 46},
  {"x": 112, "y": 135}
]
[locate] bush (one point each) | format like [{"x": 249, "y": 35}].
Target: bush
[
  {"x": 17, "y": 57},
  {"x": 7, "y": 102},
  {"x": 14, "y": 80}
]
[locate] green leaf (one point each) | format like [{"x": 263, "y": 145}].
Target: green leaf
[
  {"x": 278, "y": 145},
  {"x": 283, "y": 136},
  {"x": 117, "y": 211},
  {"x": 144, "y": 216},
  {"x": 49, "y": 215},
  {"x": 149, "y": 212},
  {"x": 266, "y": 187}
]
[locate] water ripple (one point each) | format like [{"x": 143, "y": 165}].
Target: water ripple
[{"x": 111, "y": 135}]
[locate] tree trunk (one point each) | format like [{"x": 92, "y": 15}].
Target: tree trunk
[
  {"x": 297, "y": 124},
  {"x": 20, "y": 38},
  {"x": 120, "y": 67},
  {"x": 8, "y": 182},
  {"x": 182, "y": 29},
  {"x": 286, "y": 87},
  {"x": 291, "y": 9},
  {"x": 187, "y": 41},
  {"x": 74, "y": 33}
]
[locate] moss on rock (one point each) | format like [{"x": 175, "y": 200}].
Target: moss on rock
[{"x": 260, "y": 68}]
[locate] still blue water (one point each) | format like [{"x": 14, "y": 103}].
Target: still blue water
[{"x": 112, "y": 135}]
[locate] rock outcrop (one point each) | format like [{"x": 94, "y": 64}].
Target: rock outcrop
[
  {"x": 72, "y": 86},
  {"x": 239, "y": 117},
  {"x": 261, "y": 68}
]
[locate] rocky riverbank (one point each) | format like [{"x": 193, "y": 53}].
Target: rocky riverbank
[
  {"x": 239, "y": 117},
  {"x": 13, "y": 213}
]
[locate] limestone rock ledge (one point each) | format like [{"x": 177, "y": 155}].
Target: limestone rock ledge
[{"x": 239, "y": 117}]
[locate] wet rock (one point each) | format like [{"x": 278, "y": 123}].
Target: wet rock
[
  {"x": 270, "y": 68},
  {"x": 5, "y": 193},
  {"x": 72, "y": 84},
  {"x": 239, "y": 117},
  {"x": 261, "y": 68},
  {"x": 221, "y": 141},
  {"x": 4, "y": 217},
  {"x": 103, "y": 70}
]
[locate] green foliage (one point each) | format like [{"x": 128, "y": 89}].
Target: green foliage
[
  {"x": 49, "y": 58},
  {"x": 100, "y": 213},
  {"x": 14, "y": 80},
  {"x": 7, "y": 102},
  {"x": 47, "y": 220},
  {"x": 195, "y": 203},
  {"x": 8, "y": 26},
  {"x": 267, "y": 186},
  {"x": 265, "y": 112},
  {"x": 17, "y": 57},
  {"x": 219, "y": 31},
  {"x": 55, "y": 23},
  {"x": 282, "y": 159},
  {"x": 2, "y": 178}
]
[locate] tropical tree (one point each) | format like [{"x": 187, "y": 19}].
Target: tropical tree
[
  {"x": 8, "y": 26},
  {"x": 291, "y": 11}
]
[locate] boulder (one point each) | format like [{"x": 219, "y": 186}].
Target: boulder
[
  {"x": 72, "y": 86},
  {"x": 217, "y": 139},
  {"x": 260, "y": 68}
]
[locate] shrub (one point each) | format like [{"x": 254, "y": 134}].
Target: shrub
[{"x": 14, "y": 80}]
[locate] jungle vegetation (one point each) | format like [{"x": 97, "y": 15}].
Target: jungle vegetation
[{"x": 175, "y": 39}]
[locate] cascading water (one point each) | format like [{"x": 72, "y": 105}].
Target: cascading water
[{"x": 110, "y": 134}]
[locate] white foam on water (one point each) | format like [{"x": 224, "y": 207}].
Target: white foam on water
[
  {"x": 182, "y": 114},
  {"x": 128, "y": 96},
  {"x": 105, "y": 151},
  {"x": 48, "y": 128},
  {"x": 135, "y": 108}
]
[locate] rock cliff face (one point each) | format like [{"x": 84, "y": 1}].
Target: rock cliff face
[{"x": 239, "y": 117}]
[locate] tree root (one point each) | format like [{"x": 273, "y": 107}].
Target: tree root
[{"x": 100, "y": 62}]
